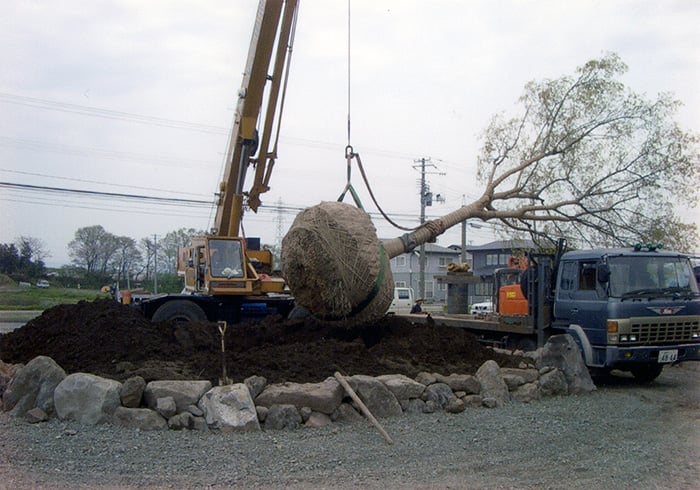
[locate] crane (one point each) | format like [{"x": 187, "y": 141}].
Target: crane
[{"x": 227, "y": 277}]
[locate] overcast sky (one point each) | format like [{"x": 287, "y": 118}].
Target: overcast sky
[{"x": 137, "y": 97}]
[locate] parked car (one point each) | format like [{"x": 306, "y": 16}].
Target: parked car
[
  {"x": 482, "y": 308},
  {"x": 42, "y": 283}
]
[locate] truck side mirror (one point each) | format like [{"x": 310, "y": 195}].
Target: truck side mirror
[{"x": 603, "y": 273}]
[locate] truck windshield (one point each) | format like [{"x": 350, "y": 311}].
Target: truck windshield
[{"x": 639, "y": 275}]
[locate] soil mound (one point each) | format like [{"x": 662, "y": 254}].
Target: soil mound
[{"x": 115, "y": 341}]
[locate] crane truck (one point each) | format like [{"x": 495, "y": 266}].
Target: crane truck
[
  {"x": 226, "y": 276},
  {"x": 632, "y": 309}
]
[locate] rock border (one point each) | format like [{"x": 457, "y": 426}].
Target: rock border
[{"x": 41, "y": 390}]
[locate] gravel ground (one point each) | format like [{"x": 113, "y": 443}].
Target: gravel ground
[{"x": 624, "y": 436}]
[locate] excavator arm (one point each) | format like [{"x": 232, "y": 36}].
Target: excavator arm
[{"x": 262, "y": 93}]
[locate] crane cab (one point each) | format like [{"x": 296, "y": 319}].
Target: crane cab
[{"x": 225, "y": 266}]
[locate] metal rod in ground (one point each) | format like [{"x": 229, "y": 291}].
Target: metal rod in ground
[{"x": 362, "y": 406}]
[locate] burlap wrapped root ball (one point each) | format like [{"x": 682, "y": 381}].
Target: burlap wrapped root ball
[{"x": 335, "y": 265}]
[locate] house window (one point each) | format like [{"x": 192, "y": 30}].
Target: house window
[
  {"x": 442, "y": 286},
  {"x": 400, "y": 284},
  {"x": 400, "y": 261},
  {"x": 492, "y": 259},
  {"x": 483, "y": 289},
  {"x": 443, "y": 261},
  {"x": 429, "y": 289}
]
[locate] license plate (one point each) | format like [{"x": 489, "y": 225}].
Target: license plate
[{"x": 668, "y": 355}]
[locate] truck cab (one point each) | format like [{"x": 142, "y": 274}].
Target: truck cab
[
  {"x": 629, "y": 309},
  {"x": 402, "y": 302}
]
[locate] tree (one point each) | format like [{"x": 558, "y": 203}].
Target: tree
[
  {"x": 9, "y": 258},
  {"x": 126, "y": 259},
  {"x": 589, "y": 160},
  {"x": 92, "y": 249},
  {"x": 171, "y": 243},
  {"x": 33, "y": 248},
  {"x": 585, "y": 159}
]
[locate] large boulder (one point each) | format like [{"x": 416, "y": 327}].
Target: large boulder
[
  {"x": 378, "y": 399},
  {"x": 403, "y": 387},
  {"x": 324, "y": 397},
  {"x": 87, "y": 399},
  {"x": 230, "y": 407},
  {"x": 494, "y": 391},
  {"x": 32, "y": 386},
  {"x": 561, "y": 352},
  {"x": 184, "y": 393}
]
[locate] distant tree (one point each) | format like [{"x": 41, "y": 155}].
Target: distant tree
[
  {"x": 9, "y": 258},
  {"x": 172, "y": 242},
  {"x": 92, "y": 249},
  {"x": 126, "y": 260},
  {"x": 33, "y": 248},
  {"x": 589, "y": 160}
]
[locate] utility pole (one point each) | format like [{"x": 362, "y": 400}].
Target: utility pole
[
  {"x": 155, "y": 264},
  {"x": 426, "y": 199}
]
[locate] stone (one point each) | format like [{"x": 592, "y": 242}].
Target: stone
[
  {"x": 562, "y": 352},
  {"x": 139, "y": 418},
  {"x": 513, "y": 381},
  {"x": 324, "y": 397},
  {"x": 378, "y": 399},
  {"x": 305, "y": 413},
  {"x": 87, "y": 399},
  {"x": 36, "y": 415},
  {"x": 283, "y": 417},
  {"x": 346, "y": 413},
  {"x": 255, "y": 384},
  {"x": 32, "y": 386},
  {"x": 426, "y": 378},
  {"x": 439, "y": 393},
  {"x": 461, "y": 382},
  {"x": 131, "y": 392},
  {"x": 553, "y": 383},
  {"x": 474, "y": 401},
  {"x": 529, "y": 375},
  {"x": 184, "y": 420},
  {"x": 494, "y": 390},
  {"x": 317, "y": 419},
  {"x": 455, "y": 405},
  {"x": 415, "y": 405},
  {"x": 526, "y": 393},
  {"x": 230, "y": 408},
  {"x": 185, "y": 393},
  {"x": 166, "y": 407},
  {"x": 401, "y": 386}
]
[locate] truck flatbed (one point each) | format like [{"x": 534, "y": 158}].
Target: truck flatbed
[{"x": 471, "y": 322}]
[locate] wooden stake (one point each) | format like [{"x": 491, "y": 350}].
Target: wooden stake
[{"x": 362, "y": 406}]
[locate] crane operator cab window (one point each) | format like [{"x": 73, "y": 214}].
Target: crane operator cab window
[{"x": 226, "y": 258}]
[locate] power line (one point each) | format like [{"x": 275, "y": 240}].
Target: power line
[
  {"x": 34, "y": 174},
  {"x": 109, "y": 114},
  {"x": 164, "y": 200}
]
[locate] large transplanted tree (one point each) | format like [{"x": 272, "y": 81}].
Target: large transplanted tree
[{"x": 590, "y": 160}]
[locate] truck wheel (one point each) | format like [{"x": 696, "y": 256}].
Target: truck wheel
[
  {"x": 646, "y": 373},
  {"x": 179, "y": 311}
]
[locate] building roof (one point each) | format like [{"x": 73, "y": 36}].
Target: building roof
[{"x": 515, "y": 244}]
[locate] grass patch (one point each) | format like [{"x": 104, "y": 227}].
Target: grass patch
[{"x": 42, "y": 299}]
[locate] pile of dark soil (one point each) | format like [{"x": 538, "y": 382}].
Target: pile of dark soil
[{"x": 115, "y": 341}]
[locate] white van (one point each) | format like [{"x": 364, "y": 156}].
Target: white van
[{"x": 402, "y": 302}]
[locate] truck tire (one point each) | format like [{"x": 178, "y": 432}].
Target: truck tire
[
  {"x": 646, "y": 373},
  {"x": 179, "y": 311}
]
